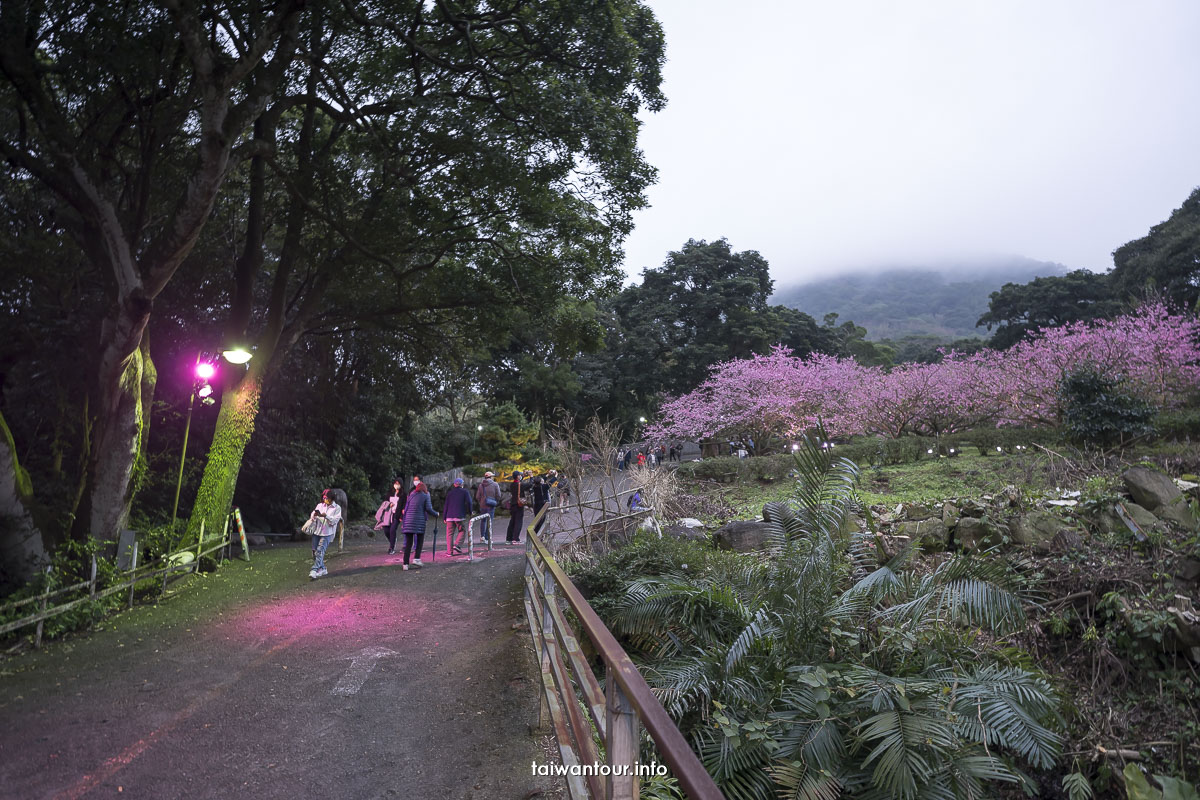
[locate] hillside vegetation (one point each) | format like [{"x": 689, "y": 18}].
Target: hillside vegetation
[{"x": 893, "y": 303}]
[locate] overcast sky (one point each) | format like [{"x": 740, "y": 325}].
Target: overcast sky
[{"x": 840, "y": 135}]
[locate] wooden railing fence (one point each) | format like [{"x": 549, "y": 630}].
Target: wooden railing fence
[
  {"x": 580, "y": 711},
  {"x": 163, "y": 568}
]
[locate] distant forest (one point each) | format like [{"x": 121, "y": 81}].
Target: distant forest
[{"x": 900, "y": 302}]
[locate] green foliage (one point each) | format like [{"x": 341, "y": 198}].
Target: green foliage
[
  {"x": 506, "y": 434},
  {"x": 1016, "y": 309},
  {"x": 70, "y": 564},
  {"x": 1179, "y": 425},
  {"x": 896, "y": 302},
  {"x": 1138, "y": 788},
  {"x": 1166, "y": 260},
  {"x": 603, "y": 581},
  {"x": 814, "y": 672},
  {"x": 1099, "y": 412}
]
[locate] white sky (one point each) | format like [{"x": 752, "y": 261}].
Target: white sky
[{"x": 857, "y": 133}]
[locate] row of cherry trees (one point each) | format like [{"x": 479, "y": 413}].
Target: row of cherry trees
[{"x": 1155, "y": 351}]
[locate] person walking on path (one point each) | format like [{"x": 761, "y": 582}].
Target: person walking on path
[
  {"x": 418, "y": 508},
  {"x": 456, "y": 511},
  {"x": 327, "y": 515},
  {"x": 628, "y": 457},
  {"x": 388, "y": 515},
  {"x": 487, "y": 497},
  {"x": 641, "y": 459},
  {"x": 540, "y": 494},
  {"x": 516, "y": 508}
]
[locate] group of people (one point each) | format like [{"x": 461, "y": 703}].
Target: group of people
[
  {"x": 648, "y": 456},
  {"x": 408, "y": 514}
]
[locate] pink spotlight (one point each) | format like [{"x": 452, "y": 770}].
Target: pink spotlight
[
  {"x": 205, "y": 391},
  {"x": 204, "y": 371}
]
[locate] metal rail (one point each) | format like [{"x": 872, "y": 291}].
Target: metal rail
[{"x": 596, "y": 726}]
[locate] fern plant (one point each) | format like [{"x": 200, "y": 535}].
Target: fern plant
[{"x": 812, "y": 672}]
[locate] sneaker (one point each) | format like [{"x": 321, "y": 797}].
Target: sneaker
[
  {"x": 417, "y": 561},
  {"x": 392, "y": 552},
  {"x": 313, "y": 575},
  {"x": 404, "y": 567},
  {"x": 323, "y": 573}
]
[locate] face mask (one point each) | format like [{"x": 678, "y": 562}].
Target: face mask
[{"x": 416, "y": 483}]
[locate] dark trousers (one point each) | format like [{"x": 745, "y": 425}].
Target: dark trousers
[
  {"x": 541, "y": 521},
  {"x": 408, "y": 544},
  {"x": 390, "y": 530},
  {"x": 515, "y": 523}
]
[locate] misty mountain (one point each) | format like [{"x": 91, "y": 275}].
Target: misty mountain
[{"x": 891, "y": 303}]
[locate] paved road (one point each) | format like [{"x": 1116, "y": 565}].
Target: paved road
[{"x": 255, "y": 682}]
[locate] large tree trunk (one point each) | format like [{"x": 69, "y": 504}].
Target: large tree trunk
[
  {"x": 126, "y": 379},
  {"x": 22, "y": 552},
  {"x": 235, "y": 424}
]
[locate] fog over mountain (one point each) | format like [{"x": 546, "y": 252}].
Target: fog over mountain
[{"x": 943, "y": 299}]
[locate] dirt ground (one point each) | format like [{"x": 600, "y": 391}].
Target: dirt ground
[{"x": 256, "y": 682}]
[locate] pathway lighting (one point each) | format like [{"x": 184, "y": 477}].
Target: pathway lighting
[
  {"x": 795, "y": 447},
  {"x": 204, "y": 372},
  {"x": 929, "y": 451},
  {"x": 951, "y": 451},
  {"x": 999, "y": 449},
  {"x": 237, "y": 355}
]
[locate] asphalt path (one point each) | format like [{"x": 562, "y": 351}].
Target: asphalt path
[{"x": 257, "y": 682}]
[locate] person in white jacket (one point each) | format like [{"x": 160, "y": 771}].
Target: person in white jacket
[{"x": 327, "y": 515}]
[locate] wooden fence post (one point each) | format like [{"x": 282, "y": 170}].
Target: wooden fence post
[
  {"x": 547, "y": 638},
  {"x": 37, "y": 639},
  {"x": 621, "y": 748},
  {"x": 133, "y": 569}
]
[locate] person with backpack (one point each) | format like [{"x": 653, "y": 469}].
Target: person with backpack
[{"x": 487, "y": 497}]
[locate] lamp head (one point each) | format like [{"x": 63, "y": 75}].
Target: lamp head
[
  {"x": 205, "y": 370},
  {"x": 237, "y": 355}
]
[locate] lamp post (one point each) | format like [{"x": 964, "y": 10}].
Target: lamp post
[
  {"x": 204, "y": 371},
  {"x": 475, "y": 438}
]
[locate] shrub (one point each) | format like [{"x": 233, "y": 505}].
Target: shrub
[
  {"x": 1100, "y": 411},
  {"x": 1178, "y": 425}
]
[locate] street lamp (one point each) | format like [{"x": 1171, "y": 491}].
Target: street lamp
[
  {"x": 204, "y": 371},
  {"x": 475, "y": 438}
]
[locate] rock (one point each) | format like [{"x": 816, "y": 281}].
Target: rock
[
  {"x": 1037, "y": 529},
  {"x": 890, "y": 546},
  {"x": 1012, "y": 494},
  {"x": 1149, "y": 489},
  {"x": 1068, "y": 540},
  {"x": 1107, "y": 522},
  {"x": 686, "y": 533},
  {"x": 1187, "y": 569},
  {"x": 1141, "y": 517},
  {"x": 256, "y": 540},
  {"x": 1180, "y": 513},
  {"x": 950, "y": 514},
  {"x": 743, "y": 535},
  {"x": 975, "y": 533},
  {"x": 973, "y": 508},
  {"x": 689, "y": 522},
  {"x": 916, "y": 511},
  {"x": 931, "y": 533}
]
